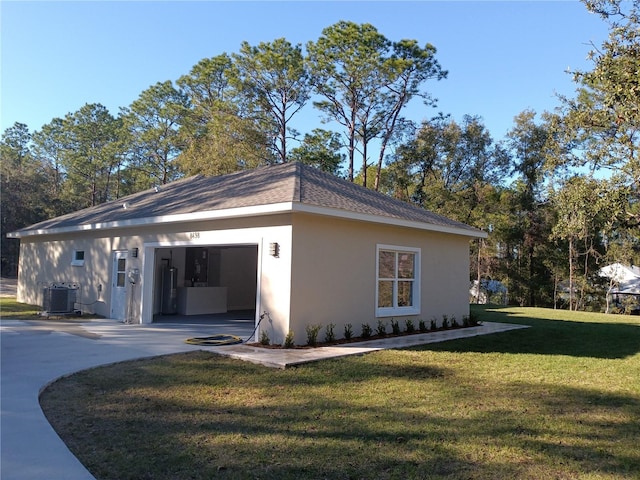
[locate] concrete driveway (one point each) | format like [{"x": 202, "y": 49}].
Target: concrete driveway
[{"x": 34, "y": 353}]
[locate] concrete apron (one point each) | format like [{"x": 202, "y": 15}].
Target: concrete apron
[{"x": 33, "y": 354}]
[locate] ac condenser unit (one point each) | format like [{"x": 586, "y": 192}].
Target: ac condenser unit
[{"x": 59, "y": 299}]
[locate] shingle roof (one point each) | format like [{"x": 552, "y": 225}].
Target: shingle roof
[{"x": 291, "y": 183}]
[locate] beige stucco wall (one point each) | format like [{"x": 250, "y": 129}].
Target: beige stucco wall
[
  {"x": 334, "y": 273},
  {"x": 325, "y": 271},
  {"x": 47, "y": 259},
  {"x": 44, "y": 263}
]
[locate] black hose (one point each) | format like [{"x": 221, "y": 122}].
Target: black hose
[
  {"x": 214, "y": 340},
  {"x": 257, "y": 325},
  {"x": 223, "y": 339}
]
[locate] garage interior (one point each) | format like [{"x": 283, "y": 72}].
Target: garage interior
[{"x": 205, "y": 283}]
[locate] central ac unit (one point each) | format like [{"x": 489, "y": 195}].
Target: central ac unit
[{"x": 59, "y": 299}]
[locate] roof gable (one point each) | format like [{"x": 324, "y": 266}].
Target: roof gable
[{"x": 274, "y": 189}]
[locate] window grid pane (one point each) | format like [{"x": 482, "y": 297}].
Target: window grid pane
[
  {"x": 387, "y": 264},
  {"x": 385, "y": 293},
  {"x": 405, "y": 294},
  {"x": 406, "y": 265}
]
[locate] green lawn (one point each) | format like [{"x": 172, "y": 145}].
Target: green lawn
[
  {"x": 9, "y": 308},
  {"x": 560, "y": 400}
]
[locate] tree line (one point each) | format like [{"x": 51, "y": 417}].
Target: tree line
[{"x": 559, "y": 196}]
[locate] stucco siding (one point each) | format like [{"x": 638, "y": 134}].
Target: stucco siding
[
  {"x": 45, "y": 263},
  {"x": 47, "y": 259},
  {"x": 334, "y": 273},
  {"x": 324, "y": 271}
]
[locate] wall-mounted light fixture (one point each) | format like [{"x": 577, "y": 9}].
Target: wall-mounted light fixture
[
  {"x": 134, "y": 252},
  {"x": 274, "y": 249}
]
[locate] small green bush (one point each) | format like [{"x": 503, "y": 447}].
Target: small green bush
[
  {"x": 433, "y": 325},
  {"x": 395, "y": 326},
  {"x": 382, "y": 328},
  {"x": 348, "y": 331},
  {"x": 366, "y": 330},
  {"x": 264, "y": 338},
  {"x": 409, "y": 326},
  {"x": 329, "y": 335},
  {"x": 312, "y": 334},
  {"x": 445, "y": 321},
  {"x": 422, "y": 326},
  {"x": 454, "y": 323},
  {"x": 288, "y": 340}
]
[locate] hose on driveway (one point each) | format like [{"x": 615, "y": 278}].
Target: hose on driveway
[
  {"x": 223, "y": 339},
  {"x": 214, "y": 340}
]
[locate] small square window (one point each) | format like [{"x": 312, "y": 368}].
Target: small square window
[{"x": 78, "y": 258}]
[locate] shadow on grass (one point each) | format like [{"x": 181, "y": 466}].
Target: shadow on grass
[
  {"x": 550, "y": 337},
  {"x": 227, "y": 419}
]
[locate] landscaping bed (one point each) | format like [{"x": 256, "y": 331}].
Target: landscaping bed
[{"x": 398, "y": 329}]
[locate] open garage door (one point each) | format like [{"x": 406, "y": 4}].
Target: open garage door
[{"x": 203, "y": 282}]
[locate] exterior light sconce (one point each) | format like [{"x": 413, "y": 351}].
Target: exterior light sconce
[
  {"x": 274, "y": 249},
  {"x": 134, "y": 252}
]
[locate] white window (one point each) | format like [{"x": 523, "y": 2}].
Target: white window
[
  {"x": 78, "y": 258},
  {"x": 398, "y": 281}
]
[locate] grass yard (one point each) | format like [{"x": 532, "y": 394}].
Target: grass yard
[
  {"x": 9, "y": 308},
  {"x": 560, "y": 400}
]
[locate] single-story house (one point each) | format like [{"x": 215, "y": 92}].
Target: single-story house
[{"x": 306, "y": 247}]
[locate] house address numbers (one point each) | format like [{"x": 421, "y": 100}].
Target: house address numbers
[{"x": 194, "y": 235}]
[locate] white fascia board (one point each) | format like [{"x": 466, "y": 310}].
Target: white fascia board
[
  {"x": 363, "y": 217},
  {"x": 240, "y": 212},
  {"x": 253, "y": 211}
]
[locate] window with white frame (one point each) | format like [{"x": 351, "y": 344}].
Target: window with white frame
[
  {"x": 78, "y": 258},
  {"x": 398, "y": 281}
]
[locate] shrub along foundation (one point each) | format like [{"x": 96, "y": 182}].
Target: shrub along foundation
[{"x": 367, "y": 332}]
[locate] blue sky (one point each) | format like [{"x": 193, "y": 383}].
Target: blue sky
[{"x": 502, "y": 57}]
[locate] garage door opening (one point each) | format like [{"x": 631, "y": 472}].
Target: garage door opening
[{"x": 205, "y": 283}]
